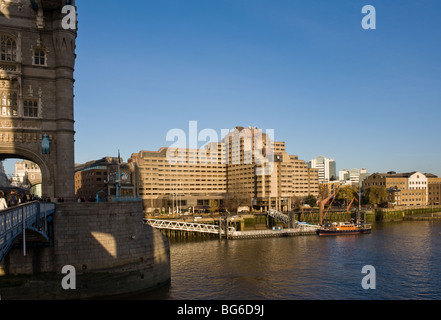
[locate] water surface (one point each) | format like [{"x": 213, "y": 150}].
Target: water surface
[{"x": 406, "y": 257}]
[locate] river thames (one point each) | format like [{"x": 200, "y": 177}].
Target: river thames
[{"x": 406, "y": 257}]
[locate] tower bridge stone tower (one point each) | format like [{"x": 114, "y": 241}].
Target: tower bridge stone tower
[
  {"x": 112, "y": 251},
  {"x": 37, "y": 60}
]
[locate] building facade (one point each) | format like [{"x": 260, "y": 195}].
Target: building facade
[
  {"x": 353, "y": 177},
  {"x": 90, "y": 181},
  {"x": 434, "y": 190},
  {"x": 4, "y": 181},
  {"x": 326, "y": 168},
  {"x": 245, "y": 166},
  {"x": 98, "y": 180},
  {"x": 27, "y": 175},
  {"x": 406, "y": 189}
]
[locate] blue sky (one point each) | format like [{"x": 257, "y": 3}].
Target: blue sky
[{"x": 307, "y": 69}]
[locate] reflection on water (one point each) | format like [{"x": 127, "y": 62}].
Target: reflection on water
[{"x": 406, "y": 256}]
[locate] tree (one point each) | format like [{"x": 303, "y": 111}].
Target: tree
[
  {"x": 214, "y": 209},
  {"x": 347, "y": 194},
  {"x": 323, "y": 191},
  {"x": 310, "y": 200},
  {"x": 376, "y": 195},
  {"x": 296, "y": 202},
  {"x": 236, "y": 197}
]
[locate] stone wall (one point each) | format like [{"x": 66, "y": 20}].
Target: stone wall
[{"x": 112, "y": 251}]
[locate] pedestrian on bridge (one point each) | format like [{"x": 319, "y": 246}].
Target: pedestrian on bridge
[
  {"x": 3, "y": 204},
  {"x": 13, "y": 199}
]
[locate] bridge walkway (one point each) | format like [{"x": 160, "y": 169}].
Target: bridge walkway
[
  {"x": 279, "y": 216},
  {"x": 188, "y": 226},
  {"x": 29, "y": 220}
]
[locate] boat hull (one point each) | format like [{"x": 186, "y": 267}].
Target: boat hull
[
  {"x": 327, "y": 232},
  {"x": 335, "y": 232}
]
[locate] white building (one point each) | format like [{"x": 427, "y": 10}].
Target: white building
[
  {"x": 418, "y": 181},
  {"x": 353, "y": 177},
  {"x": 326, "y": 168}
]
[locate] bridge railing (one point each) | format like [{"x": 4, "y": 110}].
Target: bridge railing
[
  {"x": 279, "y": 216},
  {"x": 187, "y": 226},
  {"x": 14, "y": 221}
]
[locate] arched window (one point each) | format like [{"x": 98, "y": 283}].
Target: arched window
[{"x": 8, "y": 48}]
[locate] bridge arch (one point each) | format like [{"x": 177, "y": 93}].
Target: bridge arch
[{"x": 14, "y": 151}]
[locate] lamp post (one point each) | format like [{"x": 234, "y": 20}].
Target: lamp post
[{"x": 118, "y": 178}]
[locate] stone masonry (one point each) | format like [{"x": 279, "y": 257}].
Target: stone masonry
[
  {"x": 112, "y": 251},
  {"x": 37, "y": 91}
]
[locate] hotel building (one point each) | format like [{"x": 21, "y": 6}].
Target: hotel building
[{"x": 245, "y": 163}]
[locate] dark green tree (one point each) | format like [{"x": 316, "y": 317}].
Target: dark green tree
[
  {"x": 310, "y": 200},
  {"x": 347, "y": 194},
  {"x": 376, "y": 195}
]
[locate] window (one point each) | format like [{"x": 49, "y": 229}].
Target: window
[
  {"x": 8, "y": 48},
  {"x": 39, "y": 57},
  {"x": 8, "y": 103},
  {"x": 30, "y": 108}
]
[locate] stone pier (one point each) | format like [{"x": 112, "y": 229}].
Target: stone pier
[{"x": 112, "y": 252}]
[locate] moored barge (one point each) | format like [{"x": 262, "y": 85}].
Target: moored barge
[{"x": 344, "y": 228}]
